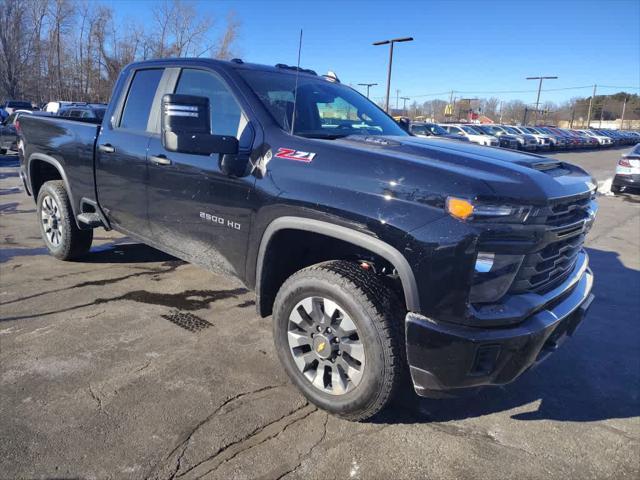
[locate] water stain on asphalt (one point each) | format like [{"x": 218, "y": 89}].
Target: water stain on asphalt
[
  {"x": 9, "y": 191},
  {"x": 7, "y": 254},
  {"x": 187, "y": 300},
  {"x": 248, "y": 303},
  {"x": 102, "y": 282},
  {"x": 12, "y": 207}
]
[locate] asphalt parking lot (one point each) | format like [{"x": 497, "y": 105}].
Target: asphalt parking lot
[{"x": 132, "y": 364}]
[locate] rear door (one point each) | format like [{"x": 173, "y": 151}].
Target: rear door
[
  {"x": 121, "y": 158},
  {"x": 194, "y": 208}
]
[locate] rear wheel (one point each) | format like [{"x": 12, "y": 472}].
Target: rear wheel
[
  {"x": 58, "y": 228},
  {"x": 616, "y": 189},
  {"x": 338, "y": 332}
]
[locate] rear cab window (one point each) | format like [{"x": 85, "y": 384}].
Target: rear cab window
[{"x": 139, "y": 101}]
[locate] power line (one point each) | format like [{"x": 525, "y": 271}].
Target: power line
[
  {"x": 609, "y": 86},
  {"x": 489, "y": 92}
]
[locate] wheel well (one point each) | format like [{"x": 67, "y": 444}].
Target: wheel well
[
  {"x": 41, "y": 172},
  {"x": 291, "y": 250}
]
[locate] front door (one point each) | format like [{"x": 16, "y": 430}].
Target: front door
[
  {"x": 121, "y": 157},
  {"x": 193, "y": 207}
]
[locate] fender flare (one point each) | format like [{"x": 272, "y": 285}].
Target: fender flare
[
  {"x": 360, "y": 239},
  {"x": 58, "y": 166}
]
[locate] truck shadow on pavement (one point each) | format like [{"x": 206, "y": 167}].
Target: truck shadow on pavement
[
  {"x": 594, "y": 376},
  {"x": 117, "y": 252}
]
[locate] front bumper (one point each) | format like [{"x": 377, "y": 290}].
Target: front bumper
[{"x": 445, "y": 357}]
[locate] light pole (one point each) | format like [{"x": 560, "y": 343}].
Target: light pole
[
  {"x": 539, "y": 88},
  {"x": 404, "y": 104},
  {"x": 368, "y": 85},
  {"x": 391, "y": 43}
]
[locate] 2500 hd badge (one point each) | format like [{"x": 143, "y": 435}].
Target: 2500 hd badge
[{"x": 220, "y": 221}]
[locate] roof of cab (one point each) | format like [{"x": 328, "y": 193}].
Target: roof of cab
[{"x": 235, "y": 64}]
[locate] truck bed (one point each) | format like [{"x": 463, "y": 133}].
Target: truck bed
[{"x": 63, "y": 143}]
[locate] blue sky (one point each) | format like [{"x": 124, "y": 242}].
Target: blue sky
[{"x": 469, "y": 46}]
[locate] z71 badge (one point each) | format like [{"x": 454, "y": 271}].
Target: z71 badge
[{"x": 297, "y": 155}]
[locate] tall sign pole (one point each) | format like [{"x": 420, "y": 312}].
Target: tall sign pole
[
  {"x": 535, "y": 118},
  {"x": 391, "y": 43}
]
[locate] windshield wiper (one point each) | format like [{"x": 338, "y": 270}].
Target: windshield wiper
[{"x": 323, "y": 136}]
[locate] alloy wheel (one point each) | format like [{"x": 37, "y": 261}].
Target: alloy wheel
[
  {"x": 51, "y": 221},
  {"x": 325, "y": 345}
]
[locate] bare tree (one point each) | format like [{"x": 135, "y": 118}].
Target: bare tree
[
  {"x": 75, "y": 49},
  {"x": 228, "y": 39}
]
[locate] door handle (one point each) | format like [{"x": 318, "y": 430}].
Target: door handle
[
  {"x": 106, "y": 148},
  {"x": 160, "y": 160}
]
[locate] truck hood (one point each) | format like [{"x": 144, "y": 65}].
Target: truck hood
[{"x": 464, "y": 168}]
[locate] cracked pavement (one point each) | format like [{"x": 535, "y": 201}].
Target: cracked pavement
[{"x": 132, "y": 364}]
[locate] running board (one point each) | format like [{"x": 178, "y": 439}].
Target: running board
[{"x": 90, "y": 219}]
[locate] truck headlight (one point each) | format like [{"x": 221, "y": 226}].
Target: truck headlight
[
  {"x": 463, "y": 209},
  {"x": 493, "y": 275}
]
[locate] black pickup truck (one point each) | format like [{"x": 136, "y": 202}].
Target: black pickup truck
[{"x": 378, "y": 253}]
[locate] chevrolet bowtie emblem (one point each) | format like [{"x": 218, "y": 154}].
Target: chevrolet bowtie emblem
[{"x": 321, "y": 346}]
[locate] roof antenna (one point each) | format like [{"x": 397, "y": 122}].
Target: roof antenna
[{"x": 295, "y": 92}]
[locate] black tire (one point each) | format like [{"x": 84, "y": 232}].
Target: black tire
[
  {"x": 71, "y": 242},
  {"x": 616, "y": 189},
  {"x": 379, "y": 318}
]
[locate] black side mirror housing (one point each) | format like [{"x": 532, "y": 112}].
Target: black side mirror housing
[{"x": 186, "y": 127}]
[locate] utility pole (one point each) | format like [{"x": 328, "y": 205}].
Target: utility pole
[
  {"x": 535, "y": 120},
  {"x": 604, "y": 104},
  {"x": 501, "y": 104},
  {"x": 404, "y": 104},
  {"x": 624, "y": 108},
  {"x": 391, "y": 43},
  {"x": 590, "y": 105},
  {"x": 573, "y": 115},
  {"x": 368, "y": 85},
  {"x": 397, "y": 99}
]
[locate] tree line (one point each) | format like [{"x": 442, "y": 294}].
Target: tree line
[
  {"x": 605, "y": 107},
  {"x": 74, "y": 50}
]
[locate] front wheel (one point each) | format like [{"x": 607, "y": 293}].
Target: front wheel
[
  {"x": 58, "y": 228},
  {"x": 339, "y": 334}
]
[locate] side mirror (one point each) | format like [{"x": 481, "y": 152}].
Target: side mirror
[{"x": 186, "y": 127}]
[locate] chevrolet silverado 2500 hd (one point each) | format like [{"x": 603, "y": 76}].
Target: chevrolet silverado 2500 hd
[{"x": 376, "y": 252}]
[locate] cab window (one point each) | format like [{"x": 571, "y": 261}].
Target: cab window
[{"x": 226, "y": 116}]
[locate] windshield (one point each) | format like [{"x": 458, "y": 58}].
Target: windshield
[
  {"x": 420, "y": 129},
  {"x": 19, "y": 105},
  {"x": 470, "y": 130},
  {"x": 490, "y": 129},
  {"x": 511, "y": 130},
  {"x": 99, "y": 112},
  {"x": 323, "y": 109},
  {"x": 436, "y": 129}
]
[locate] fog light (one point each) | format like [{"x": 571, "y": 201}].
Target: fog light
[
  {"x": 493, "y": 276},
  {"x": 484, "y": 262}
]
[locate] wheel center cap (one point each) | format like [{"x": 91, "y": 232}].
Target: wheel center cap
[{"x": 322, "y": 346}]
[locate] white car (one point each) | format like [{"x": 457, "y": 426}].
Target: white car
[
  {"x": 54, "y": 107},
  {"x": 627, "y": 172},
  {"x": 602, "y": 140},
  {"x": 472, "y": 135}
]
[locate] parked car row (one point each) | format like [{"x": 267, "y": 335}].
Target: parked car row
[
  {"x": 11, "y": 110},
  {"x": 518, "y": 137}
]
